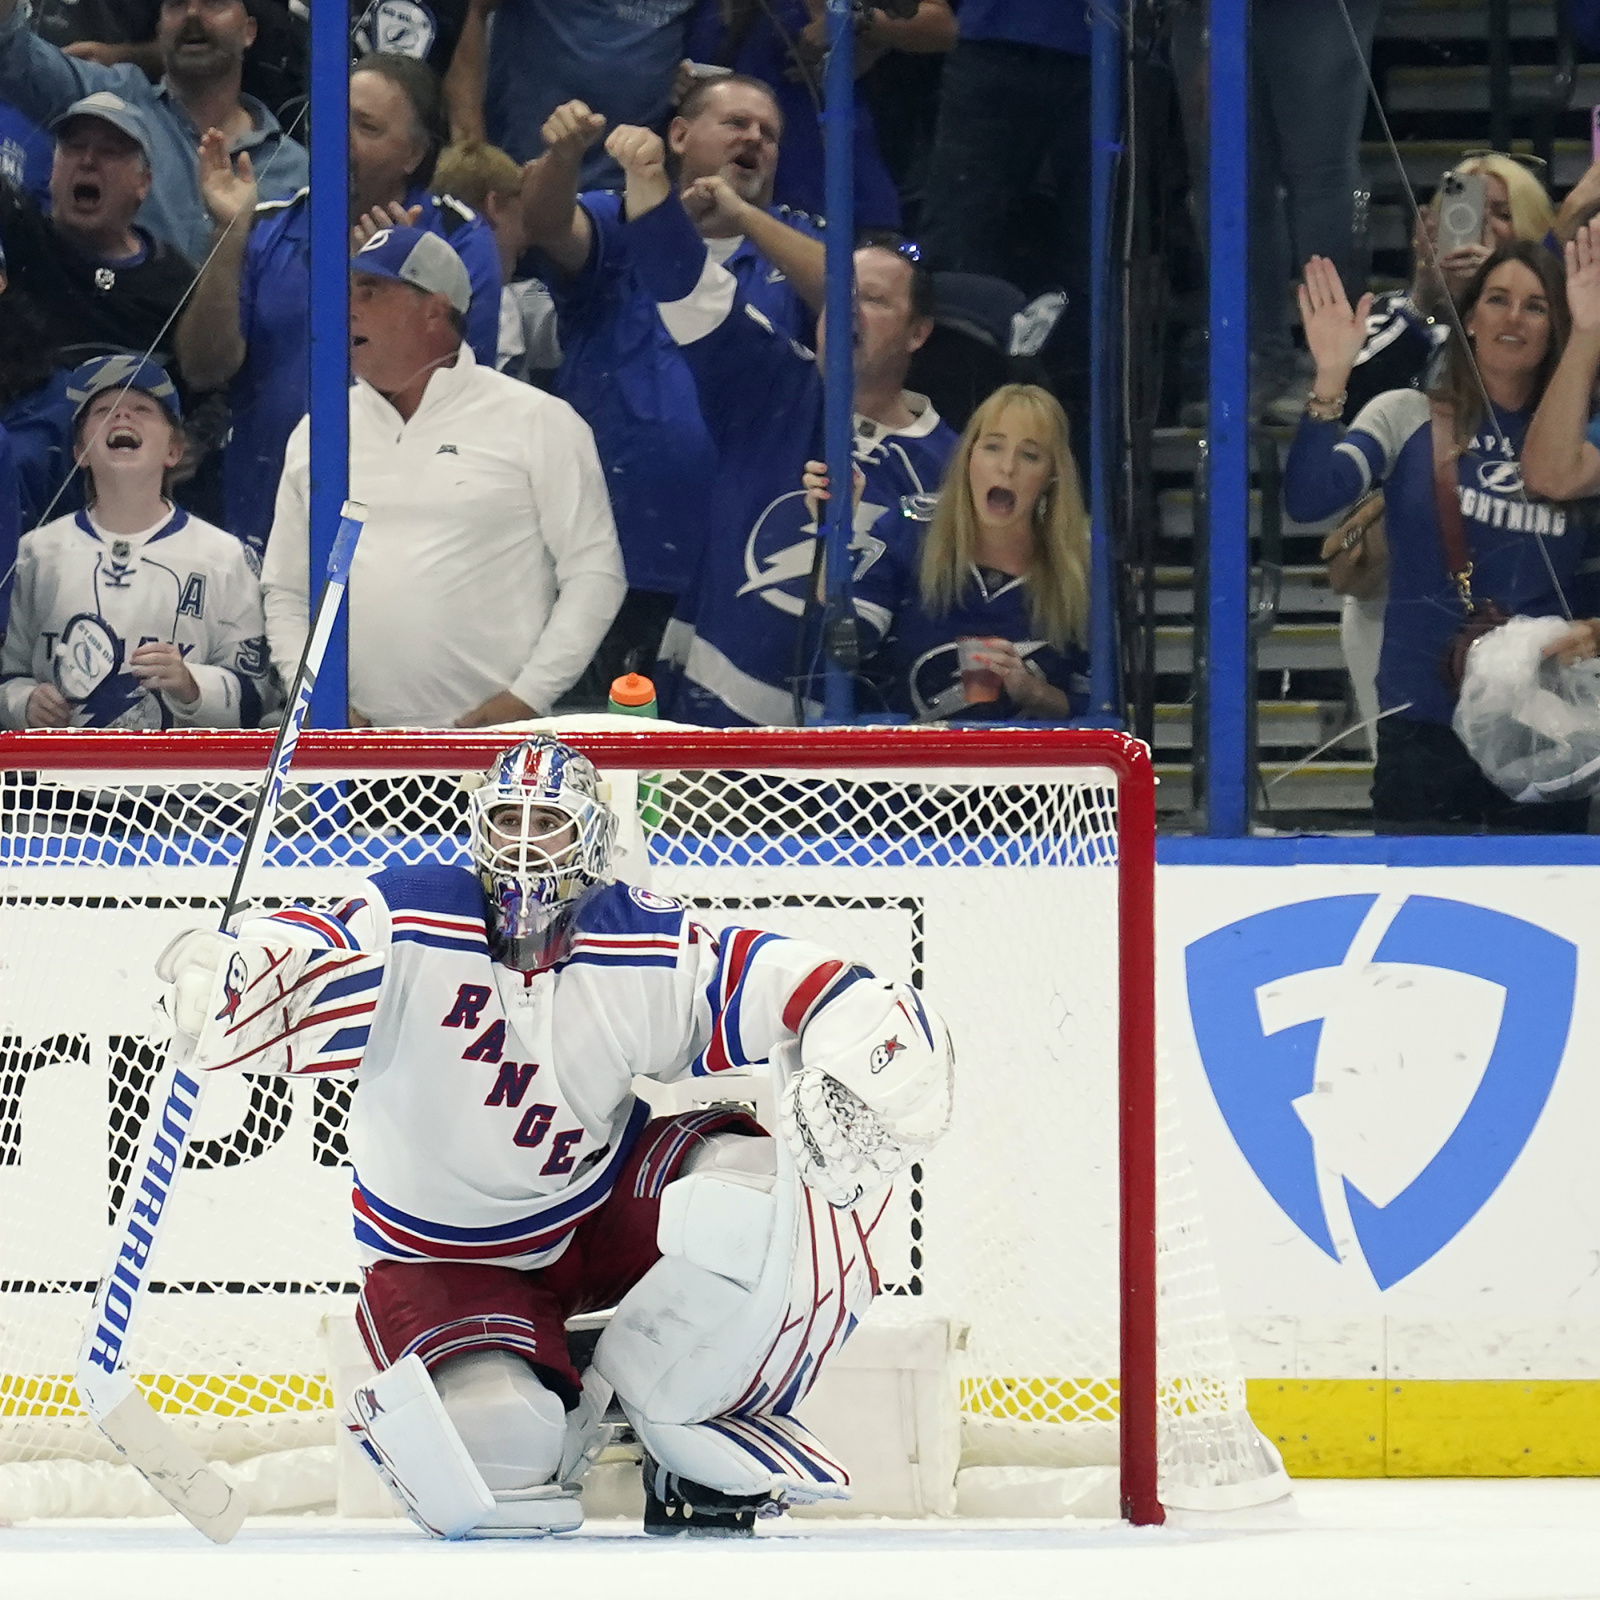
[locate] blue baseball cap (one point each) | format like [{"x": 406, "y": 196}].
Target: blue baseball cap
[
  {"x": 122, "y": 372},
  {"x": 108, "y": 107},
  {"x": 421, "y": 259}
]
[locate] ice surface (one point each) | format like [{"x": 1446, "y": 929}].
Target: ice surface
[{"x": 1370, "y": 1540}]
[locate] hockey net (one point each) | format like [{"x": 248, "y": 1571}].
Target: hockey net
[{"x": 1007, "y": 874}]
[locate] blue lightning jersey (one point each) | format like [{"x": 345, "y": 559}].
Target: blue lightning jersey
[
  {"x": 916, "y": 668},
  {"x": 622, "y": 373},
  {"x": 732, "y": 655}
]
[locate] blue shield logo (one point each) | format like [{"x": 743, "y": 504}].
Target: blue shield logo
[{"x": 1267, "y": 995}]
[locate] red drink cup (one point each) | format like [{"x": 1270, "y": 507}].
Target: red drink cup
[{"x": 980, "y": 683}]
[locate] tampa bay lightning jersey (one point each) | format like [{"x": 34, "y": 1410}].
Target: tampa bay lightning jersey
[
  {"x": 734, "y": 651},
  {"x": 495, "y": 1108},
  {"x": 188, "y": 584},
  {"x": 627, "y": 379},
  {"x": 916, "y": 667}
]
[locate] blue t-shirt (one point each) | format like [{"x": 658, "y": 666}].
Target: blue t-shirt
[
  {"x": 26, "y": 152},
  {"x": 618, "y": 56},
  {"x": 1391, "y": 442},
  {"x": 917, "y": 668},
  {"x": 1055, "y": 24},
  {"x": 622, "y": 373},
  {"x": 271, "y": 391},
  {"x": 733, "y": 652},
  {"x": 763, "y": 54}
]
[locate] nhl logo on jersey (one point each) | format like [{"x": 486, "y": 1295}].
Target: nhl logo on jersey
[
  {"x": 652, "y": 902},
  {"x": 233, "y": 982},
  {"x": 884, "y": 1054}
]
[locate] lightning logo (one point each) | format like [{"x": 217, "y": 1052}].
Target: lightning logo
[{"x": 781, "y": 549}]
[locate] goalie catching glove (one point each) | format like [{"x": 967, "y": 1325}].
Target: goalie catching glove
[
  {"x": 267, "y": 1004},
  {"x": 873, "y": 1091}
]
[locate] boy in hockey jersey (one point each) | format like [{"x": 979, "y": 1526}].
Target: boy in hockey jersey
[
  {"x": 132, "y": 613},
  {"x": 729, "y": 655},
  {"x": 507, "y": 1178}
]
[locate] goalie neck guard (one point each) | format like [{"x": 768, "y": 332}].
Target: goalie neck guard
[{"x": 541, "y": 839}]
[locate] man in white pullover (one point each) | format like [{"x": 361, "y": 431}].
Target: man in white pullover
[{"x": 489, "y": 568}]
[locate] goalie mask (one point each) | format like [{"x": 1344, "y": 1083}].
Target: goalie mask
[{"x": 541, "y": 839}]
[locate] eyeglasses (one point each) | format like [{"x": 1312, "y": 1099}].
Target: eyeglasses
[{"x": 1534, "y": 164}]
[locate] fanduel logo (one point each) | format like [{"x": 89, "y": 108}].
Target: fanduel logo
[{"x": 1381, "y": 1061}]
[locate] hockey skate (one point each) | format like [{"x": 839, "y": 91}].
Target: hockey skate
[{"x": 677, "y": 1506}]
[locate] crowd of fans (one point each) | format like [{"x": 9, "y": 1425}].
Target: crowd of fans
[
  {"x": 587, "y": 406},
  {"x": 586, "y": 279}
]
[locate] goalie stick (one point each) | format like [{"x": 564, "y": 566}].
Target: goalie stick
[{"x": 172, "y": 1467}]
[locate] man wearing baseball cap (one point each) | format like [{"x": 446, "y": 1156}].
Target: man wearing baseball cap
[
  {"x": 202, "y": 45},
  {"x": 489, "y": 569},
  {"x": 99, "y": 277}
]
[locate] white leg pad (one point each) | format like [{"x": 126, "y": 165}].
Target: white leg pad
[
  {"x": 752, "y": 1454},
  {"x": 512, "y": 1426},
  {"x": 691, "y": 1345},
  {"x": 401, "y": 1424}
]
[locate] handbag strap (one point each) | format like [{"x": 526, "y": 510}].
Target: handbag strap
[{"x": 1447, "y": 502}]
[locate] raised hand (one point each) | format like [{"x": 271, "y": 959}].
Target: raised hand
[
  {"x": 227, "y": 183},
  {"x": 1583, "y": 279},
  {"x": 643, "y": 159},
  {"x": 714, "y": 206},
  {"x": 393, "y": 215},
  {"x": 570, "y": 129},
  {"x": 1334, "y": 333}
]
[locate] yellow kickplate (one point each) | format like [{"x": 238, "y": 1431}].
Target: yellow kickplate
[
  {"x": 1323, "y": 1427},
  {"x": 1366, "y": 1428},
  {"x": 1498, "y": 1429}
]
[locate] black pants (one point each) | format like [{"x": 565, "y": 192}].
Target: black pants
[{"x": 1426, "y": 782}]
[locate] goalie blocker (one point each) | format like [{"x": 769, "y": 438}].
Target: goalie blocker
[{"x": 736, "y": 1263}]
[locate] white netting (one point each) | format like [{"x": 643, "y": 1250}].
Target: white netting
[{"x": 993, "y": 891}]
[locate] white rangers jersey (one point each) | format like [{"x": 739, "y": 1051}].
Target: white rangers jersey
[
  {"x": 185, "y": 583},
  {"x": 496, "y": 1108}
]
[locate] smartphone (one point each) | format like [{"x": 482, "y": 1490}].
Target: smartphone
[
  {"x": 1594, "y": 134},
  {"x": 1462, "y": 199}
]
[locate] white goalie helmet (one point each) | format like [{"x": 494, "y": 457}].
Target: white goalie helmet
[{"x": 542, "y": 836}]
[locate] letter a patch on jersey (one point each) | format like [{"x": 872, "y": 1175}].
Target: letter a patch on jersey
[{"x": 193, "y": 603}]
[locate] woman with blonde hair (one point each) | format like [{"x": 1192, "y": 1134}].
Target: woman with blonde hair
[
  {"x": 1407, "y": 328},
  {"x": 980, "y": 595}
]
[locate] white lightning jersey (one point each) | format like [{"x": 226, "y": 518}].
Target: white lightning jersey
[
  {"x": 184, "y": 582},
  {"x": 495, "y": 1111}
]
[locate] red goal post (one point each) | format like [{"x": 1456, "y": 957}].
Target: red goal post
[{"x": 888, "y": 800}]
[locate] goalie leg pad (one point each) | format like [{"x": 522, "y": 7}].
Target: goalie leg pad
[
  {"x": 754, "y": 1454},
  {"x": 700, "y": 1359},
  {"x": 404, "y": 1430},
  {"x": 513, "y": 1427}
]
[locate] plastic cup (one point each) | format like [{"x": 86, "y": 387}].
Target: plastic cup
[{"x": 980, "y": 683}]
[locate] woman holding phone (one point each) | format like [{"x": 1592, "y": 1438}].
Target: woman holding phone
[{"x": 1456, "y": 447}]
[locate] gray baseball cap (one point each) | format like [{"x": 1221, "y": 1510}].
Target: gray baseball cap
[
  {"x": 419, "y": 258},
  {"x": 108, "y": 107}
]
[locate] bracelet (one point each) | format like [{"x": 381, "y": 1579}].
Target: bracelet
[{"x": 1329, "y": 410}]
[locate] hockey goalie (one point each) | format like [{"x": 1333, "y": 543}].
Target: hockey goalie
[{"x": 507, "y": 1178}]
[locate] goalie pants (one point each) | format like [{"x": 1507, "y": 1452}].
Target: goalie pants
[{"x": 440, "y": 1309}]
